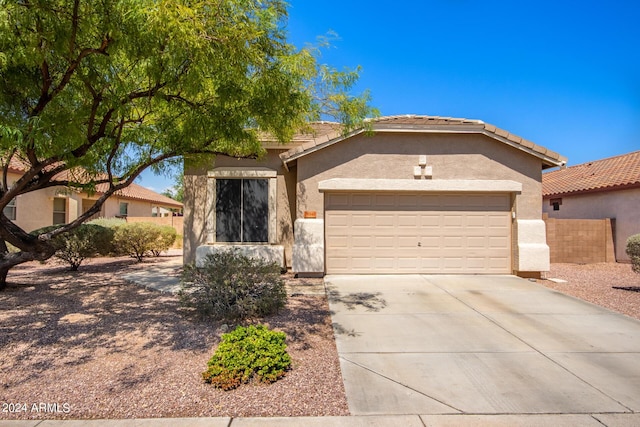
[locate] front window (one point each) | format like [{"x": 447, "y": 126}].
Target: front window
[
  {"x": 10, "y": 210},
  {"x": 124, "y": 209},
  {"x": 59, "y": 210},
  {"x": 242, "y": 210}
]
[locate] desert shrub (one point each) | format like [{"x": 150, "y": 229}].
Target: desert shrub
[
  {"x": 140, "y": 239},
  {"x": 245, "y": 353},
  {"x": 136, "y": 239},
  {"x": 165, "y": 240},
  {"x": 84, "y": 241},
  {"x": 633, "y": 250},
  {"x": 112, "y": 223},
  {"x": 178, "y": 242},
  {"x": 233, "y": 286}
]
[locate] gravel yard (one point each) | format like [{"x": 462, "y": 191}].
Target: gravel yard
[
  {"x": 90, "y": 345},
  {"x": 597, "y": 284},
  {"x": 99, "y": 347}
]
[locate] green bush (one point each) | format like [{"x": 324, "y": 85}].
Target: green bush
[
  {"x": 167, "y": 236},
  {"x": 84, "y": 241},
  {"x": 112, "y": 223},
  {"x": 633, "y": 250},
  {"x": 254, "y": 351},
  {"x": 136, "y": 239},
  {"x": 233, "y": 286}
]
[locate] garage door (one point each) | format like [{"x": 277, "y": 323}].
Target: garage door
[{"x": 410, "y": 233}]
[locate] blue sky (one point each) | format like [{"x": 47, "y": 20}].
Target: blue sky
[{"x": 563, "y": 74}]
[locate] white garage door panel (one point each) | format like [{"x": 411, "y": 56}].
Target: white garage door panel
[{"x": 417, "y": 233}]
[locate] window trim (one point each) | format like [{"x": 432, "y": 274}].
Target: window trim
[
  {"x": 65, "y": 212},
  {"x": 241, "y": 173},
  {"x": 126, "y": 205}
]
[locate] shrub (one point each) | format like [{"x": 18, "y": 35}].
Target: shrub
[
  {"x": 233, "y": 286},
  {"x": 243, "y": 353},
  {"x": 633, "y": 250},
  {"x": 112, "y": 223},
  {"x": 167, "y": 236},
  {"x": 136, "y": 239},
  {"x": 84, "y": 241}
]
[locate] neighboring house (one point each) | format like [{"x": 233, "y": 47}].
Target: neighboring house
[
  {"x": 59, "y": 205},
  {"x": 607, "y": 188},
  {"x": 416, "y": 194}
]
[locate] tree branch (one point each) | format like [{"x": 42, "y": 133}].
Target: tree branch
[{"x": 74, "y": 27}]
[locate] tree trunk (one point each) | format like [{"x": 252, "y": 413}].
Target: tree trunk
[
  {"x": 40, "y": 252},
  {"x": 3, "y": 278},
  {"x": 3, "y": 271}
]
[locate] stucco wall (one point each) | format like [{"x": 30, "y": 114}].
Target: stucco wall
[
  {"x": 393, "y": 156},
  {"x": 35, "y": 209},
  {"x": 623, "y": 205},
  {"x": 111, "y": 207},
  {"x": 196, "y": 205}
]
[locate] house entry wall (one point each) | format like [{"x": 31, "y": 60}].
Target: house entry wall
[{"x": 396, "y": 233}]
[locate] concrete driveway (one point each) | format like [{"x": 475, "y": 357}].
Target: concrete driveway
[{"x": 480, "y": 345}]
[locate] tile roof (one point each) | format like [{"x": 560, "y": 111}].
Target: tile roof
[
  {"x": 138, "y": 192},
  {"x": 133, "y": 191},
  {"x": 426, "y": 124},
  {"x": 613, "y": 173}
]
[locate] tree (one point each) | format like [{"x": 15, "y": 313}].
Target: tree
[
  {"x": 94, "y": 92},
  {"x": 176, "y": 191}
]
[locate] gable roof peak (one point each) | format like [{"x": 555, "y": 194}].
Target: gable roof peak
[{"x": 422, "y": 124}]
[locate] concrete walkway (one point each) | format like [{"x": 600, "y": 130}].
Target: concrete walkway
[
  {"x": 524, "y": 420},
  {"x": 437, "y": 345},
  {"x": 160, "y": 276}
]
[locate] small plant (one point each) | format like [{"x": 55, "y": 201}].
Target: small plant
[
  {"x": 633, "y": 250},
  {"x": 85, "y": 241},
  {"x": 233, "y": 286},
  {"x": 245, "y": 353}
]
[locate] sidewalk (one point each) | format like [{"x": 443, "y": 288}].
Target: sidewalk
[
  {"x": 163, "y": 277},
  {"x": 511, "y": 420}
]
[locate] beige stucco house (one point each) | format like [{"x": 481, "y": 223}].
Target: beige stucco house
[
  {"x": 607, "y": 188},
  {"x": 59, "y": 205},
  {"x": 412, "y": 194}
]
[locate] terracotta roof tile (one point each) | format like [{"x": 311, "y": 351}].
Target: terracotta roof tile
[
  {"x": 138, "y": 192},
  {"x": 607, "y": 174}
]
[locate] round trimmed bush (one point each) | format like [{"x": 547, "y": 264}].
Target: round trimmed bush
[{"x": 245, "y": 353}]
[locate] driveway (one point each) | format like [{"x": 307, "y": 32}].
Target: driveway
[{"x": 480, "y": 345}]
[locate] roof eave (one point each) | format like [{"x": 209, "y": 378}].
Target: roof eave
[
  {"x": 549, "y": 158},
  {"x": 592, "y": 190},
  {"x": 311, "y": 147}
]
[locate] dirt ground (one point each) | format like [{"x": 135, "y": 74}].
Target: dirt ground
[
  {"x": 611, "y": 285},
  {"x": 87, "y": 344}
]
